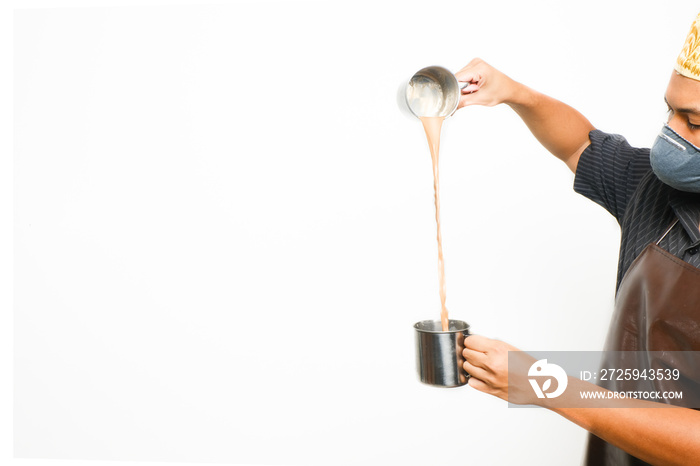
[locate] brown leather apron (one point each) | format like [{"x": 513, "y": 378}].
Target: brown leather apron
[{"x": 657, "y": 308}]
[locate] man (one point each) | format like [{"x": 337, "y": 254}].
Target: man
[{"x": 655, "y": 196}]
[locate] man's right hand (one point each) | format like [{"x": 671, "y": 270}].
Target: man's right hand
[
  {"x": 487, "y": 87},
  {"x": 562, "y": 130}
]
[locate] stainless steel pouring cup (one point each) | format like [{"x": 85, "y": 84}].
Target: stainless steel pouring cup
[
  {"x": 431, "y": 92},
  {"x": 439, "y": 354}
]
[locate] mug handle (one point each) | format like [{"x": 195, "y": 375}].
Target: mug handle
[{"x": 466, "y": 335}]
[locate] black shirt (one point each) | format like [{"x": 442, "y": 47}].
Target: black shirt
[{"x": 619, "y": 177}]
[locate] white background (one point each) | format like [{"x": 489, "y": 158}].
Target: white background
[{"x": 224, "y": 228}]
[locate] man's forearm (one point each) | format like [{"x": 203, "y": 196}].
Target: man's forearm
[
  {"x": 653, "y": 432},
  {"x": 561, "y": 129}
]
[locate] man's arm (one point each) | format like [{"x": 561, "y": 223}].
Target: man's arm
[
  {"x": 657, "y": 433},
  {"x": 561, "y": 129}
]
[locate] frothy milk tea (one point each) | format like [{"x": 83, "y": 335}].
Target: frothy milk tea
[{"x": 432, "y": 126}]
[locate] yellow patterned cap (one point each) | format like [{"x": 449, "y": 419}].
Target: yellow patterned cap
[{"x": 688, "y": 62}]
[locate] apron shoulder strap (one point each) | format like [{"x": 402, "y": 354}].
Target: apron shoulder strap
[{"x": 667, "y": 231}]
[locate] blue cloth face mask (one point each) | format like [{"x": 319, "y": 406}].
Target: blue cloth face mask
[{"x": 676, "y": 161}]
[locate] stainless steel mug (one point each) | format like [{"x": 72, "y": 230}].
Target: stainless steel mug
[
  {"x": 431, "y": 92},
  {"x": 439, "y": 354}
]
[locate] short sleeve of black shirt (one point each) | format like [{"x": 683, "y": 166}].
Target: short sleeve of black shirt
[{"x": 609, "y": 170}]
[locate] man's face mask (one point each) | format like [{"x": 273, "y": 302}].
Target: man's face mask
[{"x": 676, "y": 161}]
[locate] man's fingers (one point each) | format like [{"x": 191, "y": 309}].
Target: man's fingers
[
  {"x": 478, "y": 384},
  {"x": 473, "y": 98},
  {"x": 470, "y": 72},
  {"x": 477, "y": 343},
  {"x": 475, "y": 371},
  {"x": 475, "y": 358}
]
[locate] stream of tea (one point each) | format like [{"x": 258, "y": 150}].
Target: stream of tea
[{"x": 432, "y": 126}]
